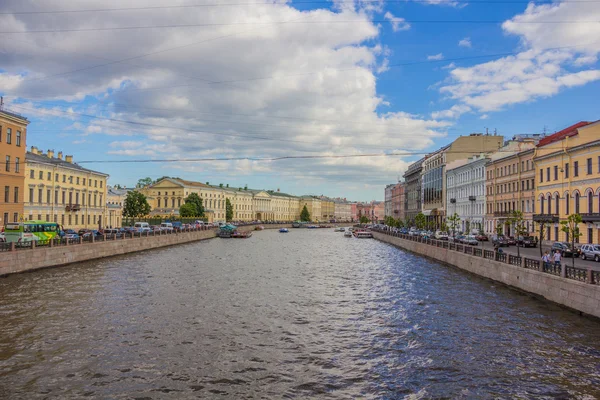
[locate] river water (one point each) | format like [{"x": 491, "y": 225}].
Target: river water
[{"x": 308, "y": 314}]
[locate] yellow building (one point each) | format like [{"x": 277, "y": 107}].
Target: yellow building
[
  {"x": 568, "y": 180},
  {"x": 59, "y": 190},
  {"x": 327, "y": 209},
  {"x": 115, "y": 199},
  {"x": 342, "y": 210},
  {"x": 313, "y": 205}
]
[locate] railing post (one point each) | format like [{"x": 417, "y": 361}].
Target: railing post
[
  {"x": 80, "y": 240},
  {"x": 13, "y": 247},
  {"x": 32, "y": 244},
  {"x": 51, "y": 244},
  {"x": 563, "y": 270},
  {"x": 589, "y": 278},
  {"x": 66, "y": 241},
  {"x": 93, "y": 238}
]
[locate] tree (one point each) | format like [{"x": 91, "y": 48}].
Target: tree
[
  {"x": 499, "y": 228},
  {"x": 542, "y": 235},
  {"x": 187, "y": 210},
  {"x": 571, "y": 228},
  {"x": 517, "y": 222},
  {"x": 453, "y": 220},
  {"x": 144, "y": 182},
  {"x": 420, "y": 220},
  {"x": 136, "y": 205},
  {"x": 364, "y": 220},
  {"x": 444, "y": 227},
  {"x": 304, "y": 215},
  {"x": 195, "y": 200},
  {"x": 228, "y": 210}
]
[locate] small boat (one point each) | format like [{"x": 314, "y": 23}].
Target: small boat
[
  {"x": 259, "y": 228},
  {"x": 347, "y": 234},
  {"x": 363, "y": 234},
  {"x": 283, "y": 230},
  {"x": 312, "y": 226},
  {"x": 339, "y": 229},
  {"x": 241, "y": 235}
]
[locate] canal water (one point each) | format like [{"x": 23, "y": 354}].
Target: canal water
[{"x": 307, "y": 314}]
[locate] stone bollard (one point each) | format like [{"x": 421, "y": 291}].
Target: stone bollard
[
  {"x": 33, "y": 244},
  {"x": 563, "y": 270},
  {"x": 80, "y": 240},
  {"x": 13, "y": 247},
  {"x": 51, "y": 244},
  {"x": 93, "y": 238},
  {"x": 589, "y": 278}
]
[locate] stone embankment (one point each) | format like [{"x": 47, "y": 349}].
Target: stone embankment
[
  {"x": 574, "y": 288},
  {"x": 23, "y": 260}
]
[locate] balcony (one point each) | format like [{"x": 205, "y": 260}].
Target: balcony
[
  {"x": 549, "y": 218},
  {"x": 73, "y": 207},
  {"x": 472, "y": 198},
  {"x": 502, "y": 213},
  {"x": 590, "y": 217},
  {"x": 452, "y": 201}
]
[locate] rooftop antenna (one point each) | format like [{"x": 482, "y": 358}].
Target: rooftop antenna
[
  {"x": 545, "y": 130},
  {"x": 486, "y": 132}
]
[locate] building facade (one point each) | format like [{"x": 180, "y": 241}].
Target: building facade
[
  {"x": 388, "y": 207},
  {"x": 399, "y": 201},
  {"x": 510, "y": 185},
  {"x": 13, "y": 135},
  {"x": 465, "y": 187},
  {"x": 115, "y": 199},
  {"x": 434, "y": 170},
  {"x": 343, "y": 210},
  {"x": 61, "y": 191},
  {"x": 313, "y": 205},
  {"x": 412, "y": 190},
  {"x": 327, "y": 209},
  {"x": 567, "y": 166}
]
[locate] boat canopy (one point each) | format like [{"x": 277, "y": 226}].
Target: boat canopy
[{"x": 228, "y": 227}]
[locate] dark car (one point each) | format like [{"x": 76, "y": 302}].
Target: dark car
[
  {"x": 511, "y": 241},
  {"x": 482, "y": 238},
  {"x": 565, "y": 249},
  {"x": 527, "y": 241},
  {"x": 89, "y": 234},
  {"x": 500, "y": 241}
]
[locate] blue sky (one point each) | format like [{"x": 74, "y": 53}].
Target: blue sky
[{"x": 313, "y": 80}]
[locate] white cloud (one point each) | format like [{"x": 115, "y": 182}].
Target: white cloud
[
  {"x": 398, "y": 24},
  {"x": 449, "y": 66},
  {"x": 466, "y": 42},
  {"x": 452, "y": 113},
  {"x": 438, "y": 56},
  {"x": 484, "y": 116}
]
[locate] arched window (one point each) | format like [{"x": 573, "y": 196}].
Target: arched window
[
  {"x": 556, "y": 206},
  {"x": 567, "y": 204},
  {"x": 542, "y": 204},
  {"x": 158, "y": 203},
  {"x": 549, "y": 204},
  {"x": 590, "y": 202},
  {"x": 577, "y": 203}
]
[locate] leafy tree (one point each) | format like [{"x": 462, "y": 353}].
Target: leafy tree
[
  {"x": 499, "y": 228},
  {"x": 228, "y": 210},
  {"x": 136, "y": 205},
  {"x": 453, "y": 220},
  {"x": 194, "y": 199},
  {"x": 571, "y": 228},
  {"x": 304, "y": 215},
  {"x": 144, "y": 182},
  {"x": 420, "y": 220},
  {"x": 363, "y": 220},
  {"x": 187, "y": 210},
  {"x": 444, "y": 227},
  {"x": 517, "y": 222}
]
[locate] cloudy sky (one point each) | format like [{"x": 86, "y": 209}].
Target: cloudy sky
[{"x": 255, "y": 80}]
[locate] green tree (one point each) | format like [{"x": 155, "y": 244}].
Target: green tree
[
  {"x": 136, "y": 205},
  {"x": 571, "y": 228},
  {"x": 420, "y": 220},
  {"x": 517, "y": 222},
  {"x": 444, "y": 227},
  {"x": 194, "y": 199},
  {"x": 304, "y": 215},
  {"x": 499, "y": 227},
  {"x": 363, "y": 220},
  {"x": 144, "y": 182},
  {"x": 453, "y": 221},
  {"x": 187, "y": 210},
  {"x": 228, "y": 210},
  {"x": 542, "y": 235}
]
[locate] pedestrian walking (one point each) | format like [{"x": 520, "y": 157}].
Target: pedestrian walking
[
  {"x": 557, "y": 258},
  {"x": 546, "y": 259}
]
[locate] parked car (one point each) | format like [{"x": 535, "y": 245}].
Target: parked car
[
  {"x": 69, "y": 234},
  {"x": 511, "y": 241},
  {"x": 590, "y": 252},
  {"x": 439, "y": 235},
  {"x": 481, "y": 238},
  {"x": 89, "y": 233},
  {"x": 110, "y": 233},
  {"x": 457, "y": 238},
  {"x": 565, "y": 249},
  {"x": 166, "y": 227},
  {"x": 142, "y": 227},
  {"x": 470, "y": 240},
  {"x": 499, "y": 240},
  {"x": 2, "y": 237},
  {"x": 527, "y": 241}
]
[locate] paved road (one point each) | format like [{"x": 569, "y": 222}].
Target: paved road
[{"x": 534, "y": 253}]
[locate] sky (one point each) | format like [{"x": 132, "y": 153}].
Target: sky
[{"x": 348, "y": 93}]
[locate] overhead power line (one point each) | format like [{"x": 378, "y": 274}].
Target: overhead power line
[
  {"x": 386, "y": 21},
  {"x": 295, "y": 2}
]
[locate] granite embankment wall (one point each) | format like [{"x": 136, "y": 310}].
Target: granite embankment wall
[
  {"x": 581, "y": 296},
  {"x": 23, "y": 260}
]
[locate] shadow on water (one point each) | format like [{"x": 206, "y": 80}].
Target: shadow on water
[{"x": 305, "y": 314}]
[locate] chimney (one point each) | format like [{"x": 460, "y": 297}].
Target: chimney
[
  {"x": 69, "y": 159},
  {"x": 50, "y": 153},
  {"x": 34, "y": 149},
  {"x": 59, "y": 155}
]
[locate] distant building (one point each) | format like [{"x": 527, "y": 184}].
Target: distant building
[
  {"x": 388, "y": 208},
  {"x": 115, "y": 199},
  {"x": 412, "y": 190},
  {"x": 399, "y": 201}
]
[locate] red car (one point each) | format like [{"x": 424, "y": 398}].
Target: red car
[{"x": 481, "y": 238}]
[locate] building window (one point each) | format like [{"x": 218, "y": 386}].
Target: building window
[
  {"x": 48, "y": 196},
  {"x": 567, "y": 204},
  {"x": 32, "y": 174},
  {"x": 41, "y": 175},
  {"x": 7, "y": 163},
  {"x": 556, "y": 205},
  {"x": 64, "y": 197},
  {"x": 19, "y": 138},
  {"x": 56, "y": 178},
  {"x": 70, "y": 219},
  {"x": 100, "y": 183},
  {"x": 590, "y": 235},
  {"x": 96, "y": 183},
  {"x": 83, "y": 181},
  {"x": 76, "y": 198},
  {"x": 589, "y": 166},
  {"x": 62, "y": 219},
  {"x": 77, "y": 180},
  {"x": 56, "y": 197},
  {"x": 556, "y": 172},
  {"x": 575, "y": 168},
  {"x": 17, "y": 164},
  {"x": 40, "y": 196},
  {"x": 566, "y": 170},
  {"x": 49, "y": 176},
  {"x": 576, "y": 203},
  {"x": 158, "y": 203},
  {"x": 88, "y": 219},
  {"x": 7, "y": 194},
  {"x": 8, "y": 136},
  {"x": 16, "y": 194},
  {"x": 64, "y": 178},
  {"x": 55, "y": 218},
  {"x": 542, "y": 205},
  {"x": 555, "y": 233},
  {"x": 95, "y": 200},
  {"x": 15, "y": 217},
  {"x": 547, "y": 174},
  {"x": 76, "y": 219},
  {"x": 31, "y": 195},
  {"x": 590, "y": 202}
]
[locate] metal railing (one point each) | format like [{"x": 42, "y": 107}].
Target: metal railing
[{"x": 578, "y": 274}]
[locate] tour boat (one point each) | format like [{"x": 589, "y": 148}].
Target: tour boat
[
  {"x": 241, "y": 235},
  {"x": 283, "y": 230},
  {"x": 339, "y": 229},
  {"x": 363, "y": 234}
]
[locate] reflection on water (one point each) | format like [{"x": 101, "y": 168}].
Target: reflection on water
[{"x": 309, "y": 314}]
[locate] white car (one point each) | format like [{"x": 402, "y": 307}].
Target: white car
[
  {"x": 166, "y": 227},
  {"x": 441, "y": 235}
]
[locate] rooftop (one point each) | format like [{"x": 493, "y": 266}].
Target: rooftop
[
  {"x": 45, "y": 159},
  {"x": 13, "y": 115},
  {"x": 567, "y": 132}
]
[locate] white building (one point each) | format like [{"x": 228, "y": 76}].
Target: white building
[
  {"x": 388, "y": 207},
  {"x": 465, "y": 192}
]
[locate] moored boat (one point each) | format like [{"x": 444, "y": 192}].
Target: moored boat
[
  {"x": 241, "y": 235},
  {"x": 283, "y": 230},
  {"x": 339, "y": 229},
  {"x": 259, "y": 228},
  {"x": 362, "y": 234},
  {"x": 348, "y": 234}
]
